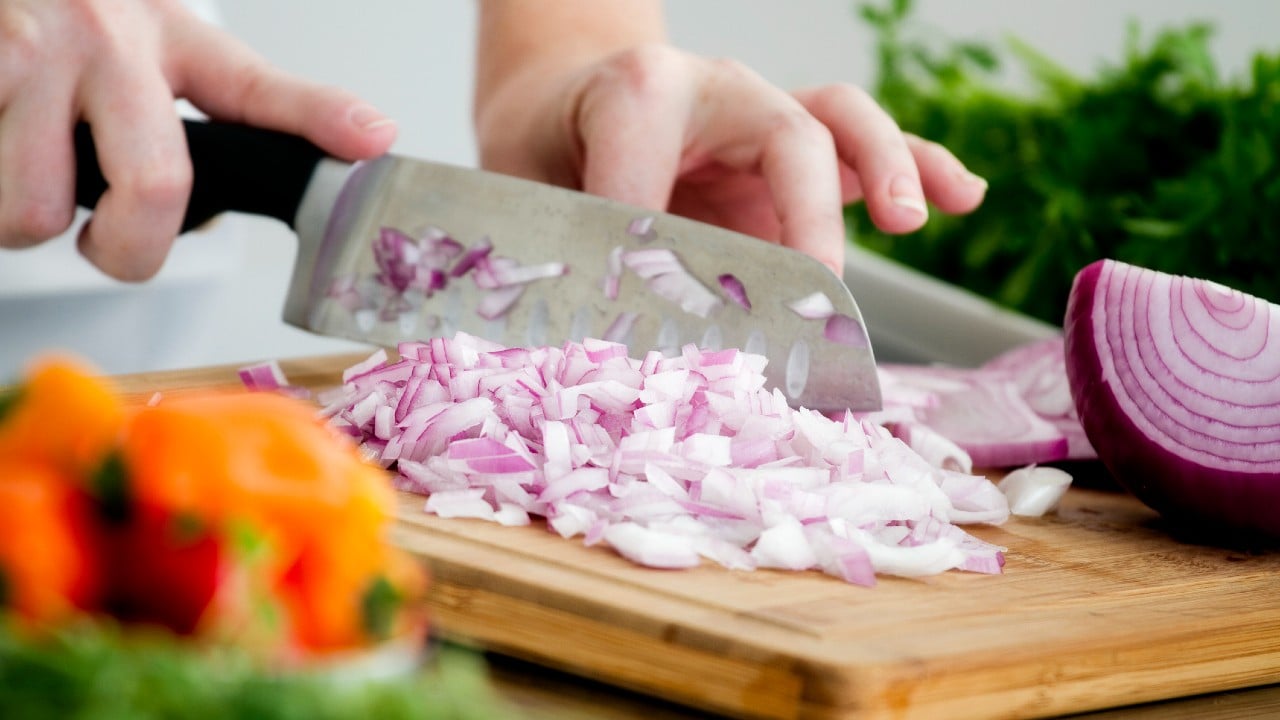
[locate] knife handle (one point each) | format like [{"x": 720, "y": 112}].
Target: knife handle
[{"x": 236, "y": 167}]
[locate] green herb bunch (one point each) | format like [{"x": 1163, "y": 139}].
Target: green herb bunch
[
  {"x": 1156, "y": 161},
  {"x": 94, "y": 669}
]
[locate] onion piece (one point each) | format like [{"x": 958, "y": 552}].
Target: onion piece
[
  {"x": 1177, "y": 382},
  {"x": 642, "y": 227},
  {"x": 262, "y": 376},
  {"x": 1039, "y": 370},
  {"x": 613, "y": 273},
  {"x": 473, "y": 255},
  {"x": 668, "y": 460},
  {"x": 815, "y": 306},
  {"x": 1034, "y": 490},
  {"x": 844, "y": 330},
  {"x": 981, "y": 412},
  {"x": 734, "y": 288},
  {"x": 667, "y": 278}
]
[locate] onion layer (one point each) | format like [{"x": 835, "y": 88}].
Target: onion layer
[
  {"x": 1177, "y": 382},
  {"x": 1015, "y": 410}
]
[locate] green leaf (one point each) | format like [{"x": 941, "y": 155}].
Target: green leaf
[
  {"x": 9, "y": 400},
  {"x": 378, "y": 607},
  {"x": 99, "y": 670},
  {"x": 110, "y": 484}
]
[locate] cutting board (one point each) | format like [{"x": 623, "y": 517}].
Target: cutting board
[{"x": 1099, "y": 606}]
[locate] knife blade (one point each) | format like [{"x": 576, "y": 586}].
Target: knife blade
[{"x": 383, "y": 247}]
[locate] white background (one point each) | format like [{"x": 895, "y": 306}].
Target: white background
[{"x": 413, "y": 59}]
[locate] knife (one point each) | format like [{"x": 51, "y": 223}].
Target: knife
[{"x": 397, "y": 248}]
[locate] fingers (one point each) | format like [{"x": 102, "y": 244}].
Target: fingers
[
  {"x": 143, "y": 155},
  {"x": 894, "y": 171},
  {"x": 873, "y": 145},
  {"x": 752, "y": 126},
  {"x": 37, "y": 194},
  {"x": 947, "y": 182},
  {"x": 229, "y": 81},
  {"x": 798, "y": 162},
  {"x": 631, "y": 120}
]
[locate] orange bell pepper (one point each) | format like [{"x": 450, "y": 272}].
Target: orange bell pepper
[
  {"x": 47, "y": 543},
  {"x": 61, "y": 414}
]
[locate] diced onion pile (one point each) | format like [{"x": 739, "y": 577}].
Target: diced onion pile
[{"x": 667, "y": 460}]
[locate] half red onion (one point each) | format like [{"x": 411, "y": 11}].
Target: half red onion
[{"x": 1177, "y": 382}]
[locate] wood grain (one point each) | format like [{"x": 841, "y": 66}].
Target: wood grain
[{"x": 1099, "y": 606}]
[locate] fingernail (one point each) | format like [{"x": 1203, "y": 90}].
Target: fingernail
[
  {"x": 367, "y": 118},
  {"x": 905, "y": 192},
  {"x": 972, "y": 179}
]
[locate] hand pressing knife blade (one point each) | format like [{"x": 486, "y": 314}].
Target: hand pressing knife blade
[{"x": 397, "y": 248}]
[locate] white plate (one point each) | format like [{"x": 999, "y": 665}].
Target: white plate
[{"x": 914, "y": 317}]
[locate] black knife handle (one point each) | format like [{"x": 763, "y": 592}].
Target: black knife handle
[{"x": 237, "y": 168}]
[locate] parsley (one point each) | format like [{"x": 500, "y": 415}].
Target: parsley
[
  {"x": 1156, "y": 160},
  {"x": 97, "y": 670}
]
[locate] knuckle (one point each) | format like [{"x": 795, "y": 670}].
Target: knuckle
[
  {"x": 161, "y": 183},
  {"x": 30, "y": 222},
  {"x": 21, "y": 38},
  {"x": 729, "y": 67},
  {"x": 642, "y": 69},
  {"x": 797, "y": 124},
  {"x": 832, "y": 98}
]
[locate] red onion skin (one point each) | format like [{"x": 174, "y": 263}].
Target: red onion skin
[{"x": 1204, "y": 500}]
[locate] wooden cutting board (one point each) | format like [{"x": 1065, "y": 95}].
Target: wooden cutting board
[{"x": 1098, "y": 607}]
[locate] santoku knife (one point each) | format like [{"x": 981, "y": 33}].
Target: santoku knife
[{"x": 397, "y": 248}]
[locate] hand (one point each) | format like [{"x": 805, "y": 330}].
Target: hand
[
  {"x": 119, "y": 65},
  {"x": 714, "y": 141}
]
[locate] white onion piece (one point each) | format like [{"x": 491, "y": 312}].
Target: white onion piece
[
  {"x": 1034, "y": 490},
  {"x": 613, "y": 273},
  {"x": 642, "y": 227},
  {"x": 816, "y": 306},
  {"x": 668, "y": 460}
]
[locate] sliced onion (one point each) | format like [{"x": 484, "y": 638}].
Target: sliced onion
[
  {"x": 498, "y": 272},
  {"x": 1015, "y": 410},
  {"x": 1177, "y": 382},
  {"x": 1039, "y": 370},
  {"x": 981, "y": 412},
  {"x": 666, "y": 277},
  {"x": 475, "y": 254},
  {"x": 668, "y": 460}
]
